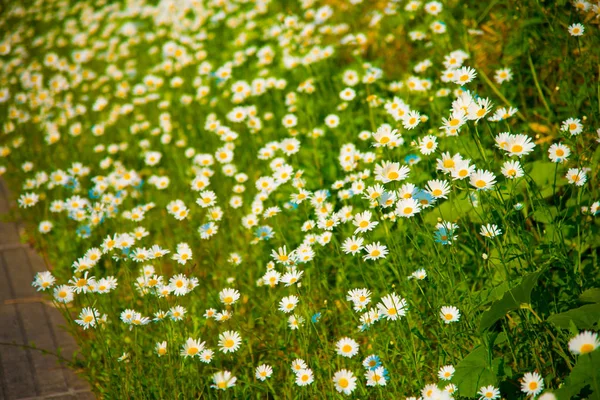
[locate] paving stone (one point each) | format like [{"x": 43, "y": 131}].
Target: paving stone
[
  {"x": 8, "y": 233},
  {"x": 48, "y": 373},
  {"x": 36, "y": 261},
  {"x": 17, "y": 379},
  {"x": 20, "y": 274}
]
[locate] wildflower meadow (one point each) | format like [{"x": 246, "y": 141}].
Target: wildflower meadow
[{"x": 308, "y": 199}]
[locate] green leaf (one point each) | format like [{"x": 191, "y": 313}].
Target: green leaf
[
  {"x": 475, "y": 371},
  {"x": 488, "y": 295},
  {"x": 584, "y": 317},
  {"x": 585, "y": 373},
  {"x": 590, "y": 296},
  {"x": 512, "y": 300}
]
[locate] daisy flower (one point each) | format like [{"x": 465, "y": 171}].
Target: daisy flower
[
  {"x": 446, "y": 372},
  {"x": 427, "y": 144},
  {"x": 572, "y": 125},
  {"x": 298, "y": 364},
  {"x": 360, "y": 298},
  {"x": 63, "y": 294},
  {"x": 503, "y": 75},
  {"x": 584, "y": 342},
  {"x": 229, "y": 296},
  {"x": 482, "y": 180},
  {"x": 347, "y": 347},
  {"x": 161, "y": 348},
  {"x": 206, "y": 356},
  {"x": 192, "y": 348},
  {"x": 263, "y": 372},
  {"x": 87, "y": 317},
  {"x": 344, "y": 381},
  {"x": 392, "y": 307},
  {"x": 512, "y": 170},
  {"x": 490, "y": 230},
  {"x": 576, "y": 29},
  {"x": 438, "y": 188},
  {"x": 532, "y": 384},
  {"x": 576, "y": 176},
  {"x": 375, "y": 251},
  {"x": 376, "y": 377},
  {"x": 304, "y": 377},
  {"x": 558, "y": 153},
  {"x": 419, "y": 274},
  {"x": 363, "y": 222},
  {"x": 389, "y": 171},
  {"x": 352, "y": 245},
  {"x": 407, "y": 207},
  {"x": 411, "y": 120},
  {"x": 223, "y": 380},
  {"x": 519, "y": 145},
  {"x": 43, "y": 280},
  {"x": 488, "y": 393},
  {"x": 462, "y": 170},
  {"x": 449, "y": 314},
  {"x": 184, "y": 253},
  {"x": 287, "y": 304},
  {"x": 371, "y": 362},
  {"x": 229, "y": 341}
]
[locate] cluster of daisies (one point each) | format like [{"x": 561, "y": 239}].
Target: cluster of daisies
[{"x": 187, "y": 137}]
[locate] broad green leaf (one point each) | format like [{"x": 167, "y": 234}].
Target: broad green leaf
[
  {"x": 475, "y": 371},
  {"x": 585, "y": 373},
  {"x": 584, "y": 317},
  {"x": 485, "y": 296},
  {"x": 512, "y": 300},
  {"x": 590, "y": 296}
]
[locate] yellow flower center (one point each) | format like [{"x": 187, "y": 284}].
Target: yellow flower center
[
  {"x": 343, "y": 383},
  {"x": 347, "y": 348},
  {"x": 586, "y": 348}
]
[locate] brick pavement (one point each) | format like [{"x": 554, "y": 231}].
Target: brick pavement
[{"x": 25, "y": 318}]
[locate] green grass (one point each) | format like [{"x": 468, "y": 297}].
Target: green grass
[{"x": 523, "y": 295}]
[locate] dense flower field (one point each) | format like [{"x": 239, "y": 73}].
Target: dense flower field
[{"x": 312, "y": 199}]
